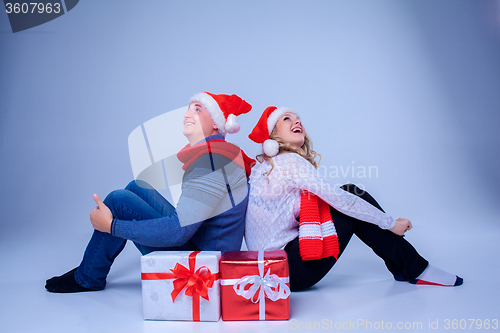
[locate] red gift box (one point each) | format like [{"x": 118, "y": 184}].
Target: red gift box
[{"x": 255, "y": 285}]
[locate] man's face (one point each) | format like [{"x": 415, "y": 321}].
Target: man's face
[{"x": 198, "y": 123}]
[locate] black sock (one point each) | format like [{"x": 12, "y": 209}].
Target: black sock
[{"x": 65, "y": 283}]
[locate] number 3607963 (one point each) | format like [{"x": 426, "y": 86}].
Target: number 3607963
[{"x": 33, "y": 8}]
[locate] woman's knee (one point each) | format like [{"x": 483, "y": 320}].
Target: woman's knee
[{"x": 351, "y": 188}]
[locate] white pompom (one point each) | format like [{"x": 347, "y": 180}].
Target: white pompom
[
  {"x": 232, "y": 125},
  {"x": 271, "y": 147}
]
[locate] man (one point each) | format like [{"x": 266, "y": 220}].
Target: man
[{"x": 210, "y": 214}]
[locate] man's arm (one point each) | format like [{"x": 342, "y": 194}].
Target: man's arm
[{"x": 203, "y": 190}]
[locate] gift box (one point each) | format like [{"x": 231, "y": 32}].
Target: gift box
[
  {"x": 255, "y": 285},
  {"x": 181, "y": 285}
]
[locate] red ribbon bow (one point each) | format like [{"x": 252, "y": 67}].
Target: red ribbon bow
[{"x": 196, "y": 283}]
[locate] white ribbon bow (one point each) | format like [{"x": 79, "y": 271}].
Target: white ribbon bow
[{"x": 270, "y": 285}]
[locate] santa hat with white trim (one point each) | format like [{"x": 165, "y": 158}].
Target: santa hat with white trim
[
  {"x": 263, "y": 129},
  {"x": 223, "y": 109}
]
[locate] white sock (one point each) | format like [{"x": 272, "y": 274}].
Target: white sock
[{"x": 434, "y": 275}]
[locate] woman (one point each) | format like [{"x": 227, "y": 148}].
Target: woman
[{"x": 287, "y": 186}]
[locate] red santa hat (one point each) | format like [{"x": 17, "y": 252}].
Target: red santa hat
[
  {"x": 263, "y": 129},
  {"x": 223, "y": 109}
]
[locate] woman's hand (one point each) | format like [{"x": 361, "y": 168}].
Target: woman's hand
[
  {"x": 101, "y": 217},
  {"x": 401, "y": 226}
]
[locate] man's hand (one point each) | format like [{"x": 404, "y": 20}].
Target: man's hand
[
  {"x": 101, "y": 217},
  {"x": 401, "y": 226}
]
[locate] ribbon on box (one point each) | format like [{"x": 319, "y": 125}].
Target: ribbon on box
[
  {"x": 270, "y": 285},
  {"x": 196, "y": 282}
]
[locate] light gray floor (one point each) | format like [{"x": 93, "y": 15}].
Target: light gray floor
[{"x": 358, "y": 292}]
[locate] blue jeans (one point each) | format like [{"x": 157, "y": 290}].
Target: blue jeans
[{"x": 133, "y": 203}]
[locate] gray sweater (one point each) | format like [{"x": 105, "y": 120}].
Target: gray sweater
[{"x": 210, "y": 214}]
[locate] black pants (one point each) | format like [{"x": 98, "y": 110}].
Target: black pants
[{"x": 399, "y": 256}]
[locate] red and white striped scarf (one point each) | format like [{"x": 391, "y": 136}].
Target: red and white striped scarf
[{"x": 317, "y": 234}]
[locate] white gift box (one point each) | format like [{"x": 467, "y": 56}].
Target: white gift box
[{"x": 181, "y": 285}]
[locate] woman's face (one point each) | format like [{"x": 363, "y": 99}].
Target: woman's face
[
  {"x": 198, "y": 123},
  {"x": 290, "y": 130}
]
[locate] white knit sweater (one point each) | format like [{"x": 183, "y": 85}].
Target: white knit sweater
[{"x": 274, "y": 202}]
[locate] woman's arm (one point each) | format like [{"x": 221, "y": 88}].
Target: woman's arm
[
  {"x": 302, "y": 174},
  {"x": 401, "y": 226}
]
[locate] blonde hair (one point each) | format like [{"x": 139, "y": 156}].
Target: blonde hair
[{"x": 305, "y": 150}]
